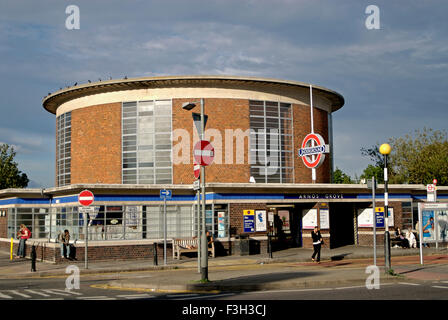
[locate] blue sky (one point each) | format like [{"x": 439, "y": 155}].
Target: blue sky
[{"x": 394, "y": 80}]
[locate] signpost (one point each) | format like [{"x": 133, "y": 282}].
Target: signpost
[
  {"x": 164, "y": 194},
  {"x": 85, "y": 199}
]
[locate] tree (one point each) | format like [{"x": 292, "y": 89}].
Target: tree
[
  {"x": 341, "y": 177},
  {"x": 422, "y": 158},
  {"x": 10, "y": 175},
  {"x": 413, "y": 160}
]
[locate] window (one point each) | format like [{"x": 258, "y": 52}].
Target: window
[
  {"x": 146, "y": 142},
  {"x": 271, "y": 144},
  {"x": 63, "y": 149}
]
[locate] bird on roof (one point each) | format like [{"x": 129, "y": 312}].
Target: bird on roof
[
  {"x": 125, "y": 77},
  {"x": 76, "y": 83},
  {"x": 99, "y": 79},
  {"x": 89, "y": 81}
]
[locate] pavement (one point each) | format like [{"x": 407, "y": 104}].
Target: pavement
[{"x": 287, "y": 269}]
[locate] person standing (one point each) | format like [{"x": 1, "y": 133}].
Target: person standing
[
  {"x": 317, "y": 243},
  {"x": 64, "y": 238},
  {"x": 23, "y": 234}
]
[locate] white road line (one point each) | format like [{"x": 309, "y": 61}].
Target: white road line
[
  {"x": 440, "y": 287},
  {"x": 181, "y": 295},
  {"x": 409, "y": 284},
  {"x": 68, "y": 291},
  {"x": 4, "y": 296},
  {"x": 97, "y": 298},
  {"x": 135, "y": 296},
  {"x": 53, "y": 291},
  {"x": 36, "y": 292},
  {"x": 209, "y": 296},
  {"x": 19, "y": 294},
  {"x": 353, "y": 287}
]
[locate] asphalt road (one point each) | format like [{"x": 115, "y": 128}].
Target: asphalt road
[{"x": 93, "y": 288}]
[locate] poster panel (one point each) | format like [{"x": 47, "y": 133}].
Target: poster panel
[
  {"x": 260, "y": 218},
  {"x": 309, "y": 218},
  {"x": 132, "y": 216},
  {"x": 365, "y": 218},
  {"x": 428, "y": 225},
  {"x": 442, "y": 222},
  {"x": 221, "y": 224},
  {"x": 324, "y": 218},
  {"x": 249, "y": 220},
  {"x": 284, "y": 217}
]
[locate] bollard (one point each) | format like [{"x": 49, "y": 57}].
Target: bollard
[
  {"x": 33, "y": 258},
  {"x": 12, "y": 247},
  {"x": 154, "y": 251}
]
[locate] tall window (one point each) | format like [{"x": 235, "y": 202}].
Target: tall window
[
  {"x": 146, "y": 140},
  {"x": 63, "y": 148},
  {"x": 271, "y": 142}
]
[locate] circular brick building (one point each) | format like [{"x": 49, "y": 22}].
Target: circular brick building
[{"x": 135, "y": 131}]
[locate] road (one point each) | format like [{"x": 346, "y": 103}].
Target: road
[{"x": 94, "y": 288}]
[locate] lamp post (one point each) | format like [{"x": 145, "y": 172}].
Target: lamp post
[
  {"x": 385, "y": 150},
  {"x": 203, "y": 241}
]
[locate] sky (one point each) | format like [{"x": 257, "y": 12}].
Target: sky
[{"x": 394, "y": 79}]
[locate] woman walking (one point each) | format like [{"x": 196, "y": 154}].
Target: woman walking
[{"x": 317, "y": 243}]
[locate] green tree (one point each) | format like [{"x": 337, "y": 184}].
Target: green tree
[
  {"x": 373, "y": 171},
  {"x": 414, "y": 159},
  {"x": 341, "y": 177},
  {"x": 10, "y": 175},
  {"x": 421, "y": 158}
]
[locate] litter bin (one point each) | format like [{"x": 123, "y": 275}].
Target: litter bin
[{"x": 243, "y": 240}]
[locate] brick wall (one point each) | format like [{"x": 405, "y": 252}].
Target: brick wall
[
  {"x": 230, "y": 114},
  {"x": 302, "y": 127},
  {"x": 96, "y": 144},
  {"x": 365, "y": 235},
  {"x": 3, "y": 224}
]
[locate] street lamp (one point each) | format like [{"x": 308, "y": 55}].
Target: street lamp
[
  {"x": 203, "y": 242},
  {"x": 385, "y": 150}
]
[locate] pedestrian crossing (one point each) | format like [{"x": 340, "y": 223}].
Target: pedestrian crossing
[{"x": 60, "y": 294}]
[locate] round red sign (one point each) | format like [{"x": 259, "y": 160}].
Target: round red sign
[
  {"x": 203, "y": 153},
  {"x": 434, "y": 181},
  {"x": 313, "y": 150},
  {"x": 85, "y": 198}
]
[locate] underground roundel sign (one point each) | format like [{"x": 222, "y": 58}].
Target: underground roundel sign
[{"x": 313, "y": 150}]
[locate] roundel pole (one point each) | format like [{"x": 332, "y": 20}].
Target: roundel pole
[
  {"x": 385, "y": 150},
  {"x": 313, "y": 170}
]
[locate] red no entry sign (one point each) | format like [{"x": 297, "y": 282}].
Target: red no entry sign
[
  {"x": 203, "y": 153},
  {"x": 196, "y": 170},
  {"x": 85, "y": 198}
]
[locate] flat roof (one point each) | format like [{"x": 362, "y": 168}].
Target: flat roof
[{"x": 54, "y": 100}]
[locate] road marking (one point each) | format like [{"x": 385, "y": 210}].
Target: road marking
[
  {"x": 97, "y": 298},
  {"x": 440, "y": 287},
  {"x": 5, "y": 296},
  {"x": 353, "y": 287},
  {"x": 181, "y": 295},
  {"x": 52, "y": 291},
  {"x": 36, "y": 292},
  {"x": 209, "y": 296},
  {"x": 69, "y": 291},
  {"x": 19, "y": 294},
  {"x": 135, "y": 296},
  {"x": 409, "y": 284}
]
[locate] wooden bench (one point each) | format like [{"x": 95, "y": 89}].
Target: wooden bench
[{"x": 188, "y": 245}]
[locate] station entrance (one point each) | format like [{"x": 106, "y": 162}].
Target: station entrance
[{"x": 342, "y": 224}]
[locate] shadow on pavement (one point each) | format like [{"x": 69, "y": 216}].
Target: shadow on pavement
[{"x": 340, "y": 256}]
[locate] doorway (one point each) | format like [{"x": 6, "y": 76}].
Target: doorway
[{"x": 342, "y": 230}]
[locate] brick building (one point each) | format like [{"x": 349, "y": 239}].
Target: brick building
[{"x": 125, "y": 140}]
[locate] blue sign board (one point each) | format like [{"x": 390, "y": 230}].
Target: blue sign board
[
  {"x": 249, "y": 220},
  {"x": 379, "y": 217},
  {"x": 165, "y": 194}
]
